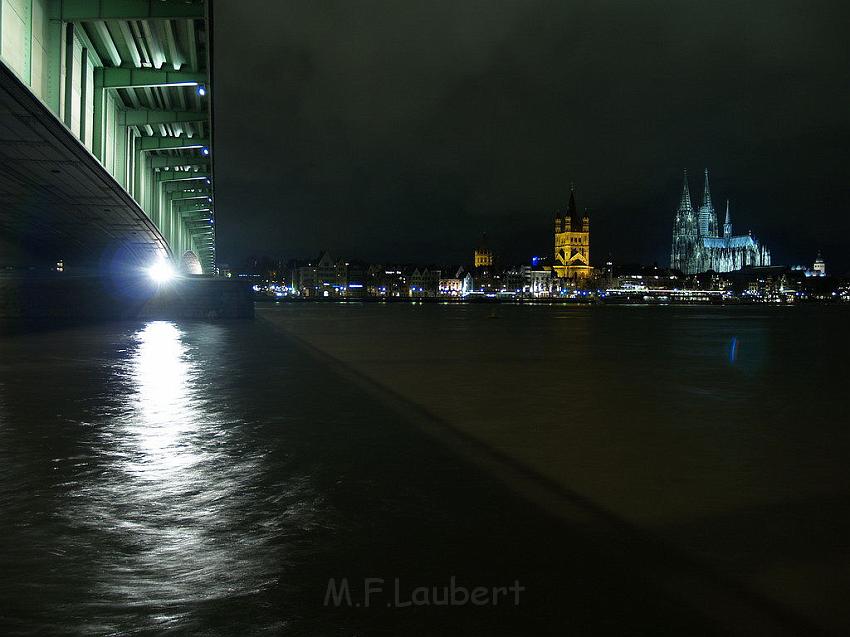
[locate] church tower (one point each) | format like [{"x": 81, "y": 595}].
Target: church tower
[
  {"x": 684, "y": 254},
  {"x": 707, "y": 216},
  {"x": 482, "y": 257},
  {"x": 572, "y": 242},
  {"x": 727, "y": 225}
]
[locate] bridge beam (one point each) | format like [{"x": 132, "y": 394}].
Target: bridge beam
[
  {"x": 197, "y": 213},
  {"x": 142, "y": 117},
  {"x": 94, "y": 10},
  {"x": 185, "y": 206},
  {"x": 141, "y": 78},
  {"x": 173, "y": 162},
  {"x": 187, "y": 185},
  {"x": 173, "y": 143},
  {"x": 182, "y": 176},
  {"x": 200, "y": 213},
  {"x": 188, "y": 196}
]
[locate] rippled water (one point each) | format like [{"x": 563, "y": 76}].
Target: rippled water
[
  {"x": 133, "y": 486},
  {"x": 212, "y": 477}
]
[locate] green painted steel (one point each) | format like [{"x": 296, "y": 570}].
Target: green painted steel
[
  {"x": 142, "y": 116},
  {"x": 173, "y": 143},
  {"x": 87, "y": 10},
  {"x": 171, "y": 162},
  {"x": 181, "y": 175},
  {"x": 187, "y": 186},
  {"x": 130, "y": 79},
  {"x": 184, "y": 196},
  {"x": 147, "y": 78}
]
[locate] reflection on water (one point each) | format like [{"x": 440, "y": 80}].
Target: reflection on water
[
  {"x": 174, "y": 479},
  {"x": 161, "y": 430},
  {"x": 138, "y": 492},
  {"x": 154, "y": 501},
  {"x": 198, "y": 477}
]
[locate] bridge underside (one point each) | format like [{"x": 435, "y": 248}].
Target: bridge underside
[
  {"x": 57, "y": 202},
  {"x": 106, "y": 135}
]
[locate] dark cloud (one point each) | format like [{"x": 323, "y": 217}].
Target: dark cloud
[{"x": 402, "y": 130}]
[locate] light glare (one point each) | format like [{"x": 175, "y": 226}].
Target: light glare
[{"x": 161, "y": 272}]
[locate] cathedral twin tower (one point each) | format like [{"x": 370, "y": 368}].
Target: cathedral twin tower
[{"x": 698, "y": 244}]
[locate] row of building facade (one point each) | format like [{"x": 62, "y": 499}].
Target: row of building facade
[{"x": 328, "y": 277}]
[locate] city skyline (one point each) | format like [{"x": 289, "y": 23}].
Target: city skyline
[
  {"x": 713, "y": 225},
  {"x": 519, "y": 244},
  {"x": 409, "y": 136}
]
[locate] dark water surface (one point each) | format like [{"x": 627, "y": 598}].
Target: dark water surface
[{"x": 636, "y": 469}]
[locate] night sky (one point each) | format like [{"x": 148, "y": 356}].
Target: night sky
[{"x": 400, "y": 130}]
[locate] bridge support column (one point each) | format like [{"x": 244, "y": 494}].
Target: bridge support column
[
  {"x": 68, "y": 113},
  {"x": 98, "y": 125},
  {"x": 63, "y": 296}
]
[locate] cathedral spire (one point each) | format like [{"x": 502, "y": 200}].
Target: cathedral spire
[
  {"x": 685, "y": 203},
  {"x": 706, "y": 193},
  {"x": 727, "y": 225},
  {"x": 707, "y": 216}
]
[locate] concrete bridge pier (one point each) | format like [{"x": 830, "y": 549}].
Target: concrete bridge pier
[{"x": 28, "y": 295}]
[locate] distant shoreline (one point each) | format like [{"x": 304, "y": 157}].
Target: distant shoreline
[{"x": 544, "y": 301}]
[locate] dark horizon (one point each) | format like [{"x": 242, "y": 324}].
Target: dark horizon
[{"x": 400, "y": 133}]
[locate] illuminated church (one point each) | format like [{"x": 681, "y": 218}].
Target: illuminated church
[
  {"x": 698, "y": 244},
  {"x": 572, "y": 242}
]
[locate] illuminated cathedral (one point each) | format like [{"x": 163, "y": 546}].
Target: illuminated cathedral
[
  {"x": 572, "y": 242},
  {"x": 698, "y": 244}
]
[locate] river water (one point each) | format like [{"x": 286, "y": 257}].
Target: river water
[{"x": 640, "y": 470}]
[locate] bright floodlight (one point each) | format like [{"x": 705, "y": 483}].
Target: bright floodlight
[{"x": 161, "y": 271}]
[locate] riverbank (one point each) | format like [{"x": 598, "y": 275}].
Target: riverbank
[
  {"x": 557, "y": 301},
  {"x": 669, "y": 423}
]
